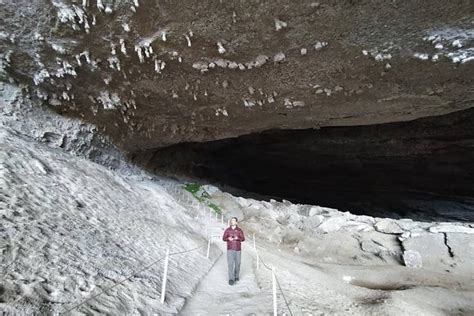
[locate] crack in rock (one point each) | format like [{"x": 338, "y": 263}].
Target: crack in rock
[{"x": 451, "y": 253}]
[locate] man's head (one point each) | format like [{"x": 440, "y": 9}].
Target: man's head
[{"x": 233, "y": 221}]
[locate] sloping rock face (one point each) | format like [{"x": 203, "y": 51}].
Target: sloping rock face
[{"x": 153, "y": 73}]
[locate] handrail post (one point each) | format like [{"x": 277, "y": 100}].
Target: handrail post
[
  {"x": 274, "y": 292},
  {"x": 165, "y": 275},
  {"x": 208, "y": 247}
]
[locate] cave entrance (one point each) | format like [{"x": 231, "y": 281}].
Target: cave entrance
[{"x": 422, "y": 169}]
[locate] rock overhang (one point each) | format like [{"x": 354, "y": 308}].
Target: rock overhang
[{"x": 153, "y": 74}]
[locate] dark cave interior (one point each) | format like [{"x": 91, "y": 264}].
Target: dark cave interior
[{"x": 421, "y": 169}]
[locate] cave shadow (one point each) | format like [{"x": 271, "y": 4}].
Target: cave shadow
[{"x": 421, "y": 169}]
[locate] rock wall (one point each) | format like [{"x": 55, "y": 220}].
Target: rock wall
[
  {"x": 325, "y": 235},
  {"x": 392, "y": 267},
  {"x": 25, "y": 117}
]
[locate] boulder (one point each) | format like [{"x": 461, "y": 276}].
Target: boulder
[
  {"x": 412, "y": 259},
  {"x": 388, "y": 226},
  {"x": 383, "y": 246}
]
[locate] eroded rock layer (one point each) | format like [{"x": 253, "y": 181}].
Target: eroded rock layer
[{"x": 153, "y": 73}]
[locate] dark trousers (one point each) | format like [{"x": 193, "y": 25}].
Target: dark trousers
[{"x": 233, "y": 264}]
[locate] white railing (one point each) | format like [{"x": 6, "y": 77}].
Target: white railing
[{"x": 183, "y": 197}]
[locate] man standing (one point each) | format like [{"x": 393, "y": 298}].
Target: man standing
[{"x": 233, "y": 235}]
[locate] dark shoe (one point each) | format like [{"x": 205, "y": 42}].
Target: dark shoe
[
  {"x": 236, "y": 279},
  {"x": 231, "y": 282}
]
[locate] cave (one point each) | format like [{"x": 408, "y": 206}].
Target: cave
[
  {"x": 421, "y": 169},
  {"x": 339, "y": 134}
]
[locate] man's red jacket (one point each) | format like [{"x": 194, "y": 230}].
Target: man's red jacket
[{"x": 238, "y": 235}]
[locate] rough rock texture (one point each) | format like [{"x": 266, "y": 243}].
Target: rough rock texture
[
  {"x": 75, "y": 237},
  {"x": 25, "y": 118},
  {"x": 462, "y": 248},
  {"x": 388, "y": 226},
  {"x": 151, "y": 73},
  {"x": 412, "y": 259},
  {"x": 447, "y": 228},
  {"x": 432, "y": 248},
  {"x": 343, "y": 238}
]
